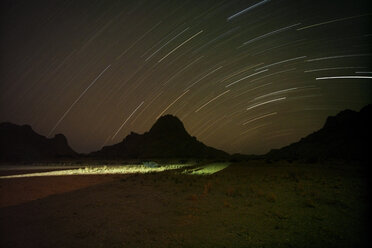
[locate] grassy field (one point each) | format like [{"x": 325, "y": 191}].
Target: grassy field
[{"x": 251, "y": 204}]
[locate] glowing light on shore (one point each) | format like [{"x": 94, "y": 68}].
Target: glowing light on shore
[
  {"x": 207, "y": 169},
  {"x": 101, "y": 170}
]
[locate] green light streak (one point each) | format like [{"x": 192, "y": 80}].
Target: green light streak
[
  {"x": 102, "y": 170},
  {"x": 208, "y": 169}
]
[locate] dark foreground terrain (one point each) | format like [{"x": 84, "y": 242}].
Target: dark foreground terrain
[{"x": 255, "y": 204}]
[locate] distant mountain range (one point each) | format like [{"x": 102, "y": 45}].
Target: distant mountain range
[
  {"x": 166, "y": 139},
  {"x": 21, "y": 143},
  {"x": 344, "y": 136}
]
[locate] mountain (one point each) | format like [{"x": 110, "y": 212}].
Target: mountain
[
  {"x": 346, "y": 136},
  {"x": 21, "y": 143},
  {"x": 167, "y": 138}
]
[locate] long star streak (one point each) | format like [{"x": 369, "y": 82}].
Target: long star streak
[
  {"x": 200, "y": 79},
  {"x": 183, "y": 69},
  {"x": 254, "y": 128},
  {"x": 73, "y": 104},
  {"x": 332, "y": 21},
  {"x": 251, "y": 75},
  {"x": 268, "y": 34},
  {"x": 275, "y": 93},
  {"x": 138, "y": 40},
  {"x": 212, "y": 100},
  {"x": 263, "y": 103},
  {"x": 113, "y": 137},
  {"x": 258, "y": 118},
  {"x": 340, "y": 56},
  {"x": 335, "y": 68},
  {"x": 149, "y": 57},
  {"x": 280, "y": 62},
  {"x": 246, "y": 10},
  {"x": 172, "y": 103},
  {"x": 345, "y": 77},
  {"x": 272, "y": 74},
  {"x": 183, "y": 43},
  {"x": 148, "y": 105}
]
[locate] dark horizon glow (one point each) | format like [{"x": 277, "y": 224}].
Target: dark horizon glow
[{"x": 243, "y": 76}]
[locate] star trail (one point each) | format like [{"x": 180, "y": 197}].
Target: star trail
[{"x": 243, "y": 76}]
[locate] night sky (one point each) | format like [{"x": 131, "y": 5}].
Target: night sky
[{"x": 243, "y": 76}]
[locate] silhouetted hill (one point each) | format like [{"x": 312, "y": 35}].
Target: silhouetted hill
[
  {"x": 238, "y": 157},
  {"x": 167, "y": 138},
  {"x": 345, "y": 136},
  {"x": 21, "y": 143}
]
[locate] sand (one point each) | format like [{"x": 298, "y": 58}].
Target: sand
[{"x": 251, "y": 204}]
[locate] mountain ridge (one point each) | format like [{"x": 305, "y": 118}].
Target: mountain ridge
[
  {"x": 22, "y": 143},
  {"x": 167, "y": 138},
  {"x": 343, "y": 136}
]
